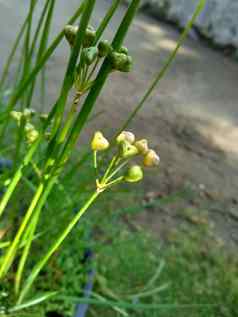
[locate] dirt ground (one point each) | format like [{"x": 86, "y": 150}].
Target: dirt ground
[{"x": 191, "y": 119}]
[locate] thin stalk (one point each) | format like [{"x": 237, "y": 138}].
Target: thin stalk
[
  {"x": 43, "y": 44},
  {"x": 106, "y": 19},
  {"x": 17, "y": 176},
  {"x": 32, "y": 228},
  {"x": 9, "y": 257},
  {"x": 166, "y": 66},
  {"x": 27, "y": 81},
  {"x": 13, "y": 51},
  {"x": 38, "y": 267}
]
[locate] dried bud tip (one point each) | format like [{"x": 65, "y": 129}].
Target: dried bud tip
[
  {"x": 151, "y": 159},
  {"x": 99, "y": 142},
  {"x": 126, "y": 136}
]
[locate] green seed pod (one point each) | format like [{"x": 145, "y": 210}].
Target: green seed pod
[
  {"x": 28, "y": 113},
  {"x": 134, "y": 174},
  {"x": 121, "y": 62},
  {"x": 99, "y": 142},
  {"x": 126, "y": 136},
  {"x": 70, "y": 32},
  {"x": 151, "y": 159},
  {"x": 123, "y": 50},
  {"x": 142, "y": 146},
  {"x": 104, "y": 48},
  {"x": 127, "y": 150},
  {"x": 89, "y": 38},
  {"x": 90, "y": 54}
]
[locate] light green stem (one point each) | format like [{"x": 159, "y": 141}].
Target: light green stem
[
  {"x": 38, "y": 267},
  {"x": 9, "y": 257}
]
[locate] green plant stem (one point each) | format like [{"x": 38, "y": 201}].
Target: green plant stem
[
  {"x": 32, "y": 228},
  {"x": 27, "y": 81},
  {"x": 38, "y": 267},
  {"x": 166, "y": 66},
  {"x": 17, "y": 176},
  {"x": 9, "y": 257},
  {"x": 13, "y": 51}
]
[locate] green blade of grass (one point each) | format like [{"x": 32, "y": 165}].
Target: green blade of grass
[
  {"x": 36, "y": 301},
  {"x": 166, "y": 66},
  {"x": 13, "y": 51},
  {"x": 27, "y": 81},
  {"x": 40, "y": 264},
  {"x": 106, "y": 19}
]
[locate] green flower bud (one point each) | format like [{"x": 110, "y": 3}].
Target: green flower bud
[
  {"x": 126, "y": 136},
  {"x": 121, "y": 62},
  {"x": 104, "y": 48},
  {"x": 17, "y": 115},
  {"x": 89, "y": 38},
  {"x": 127, "y": 150},
  {"x": 90, "y": 54},
  {"x": 151, "y": 159},
  {"x": 99, "y": 142},
  {"x": 70, "y": 32},
  {"x": 134, "y": 174},
  {"x": 142, "y": 146},
  {"x": 31, "y": 133},
  {"x": 123, "y": 50}
]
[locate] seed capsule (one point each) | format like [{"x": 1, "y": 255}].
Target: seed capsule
[
  {"x": 89, "y": 38},
  {"x": 104, "y": 48},
  {"x": 90, "y": 54},
  {"x": 123, "y": 50},
  {"x": 127, "y": 149},
  {"x": 121, "y": 62},
  {"x": 99, "y": 142},
  {"x": 126, "y": 136},
  {"x": 151, "y": 159},
  {"x": 142, "y": 146},
  {"x": 134, "y": 174},
  {"x": 70, "y": 32}
]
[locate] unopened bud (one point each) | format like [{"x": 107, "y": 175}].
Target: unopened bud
[
  {"x": 90, "y": 54},
  {"x": 31, "y": 133},
  {"x": 123, "y": 50},
  {"x": 127, "y": 149},
  {"x": 142, "y": 146},
  {"x": 121, "y": 62},
  {"x": 151, "y": 159},
  {"x": 70, "y": 32},
  {"x": 134, "y": 174},
  {"x": 104, "y": 48},
  {"x": 99, "y": 142},
  {"x": 126, "y": 136}
]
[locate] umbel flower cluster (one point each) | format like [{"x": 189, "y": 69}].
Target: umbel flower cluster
[{"x": 127, "y": 149}]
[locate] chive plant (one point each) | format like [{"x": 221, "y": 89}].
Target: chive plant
[{"x": 92, "y": 59}]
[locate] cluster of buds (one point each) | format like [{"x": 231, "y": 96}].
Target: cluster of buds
[
  {"x": 25, "y": 117},
  {"x": 120, "y": 59},
  {"x": 127, "y": 149}
]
